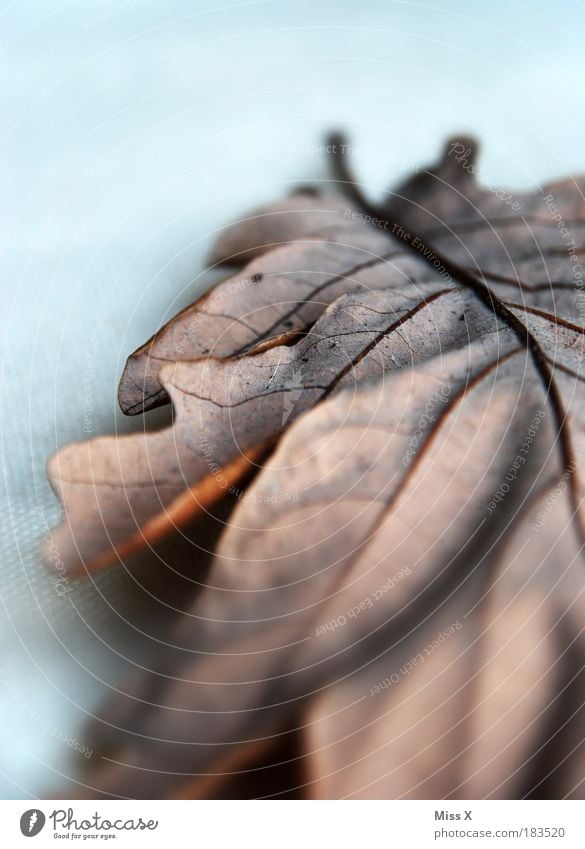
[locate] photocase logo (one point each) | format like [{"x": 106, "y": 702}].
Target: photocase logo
[
  {"x": 65, "y": 825},
  {"x": 32, "y": 822}
]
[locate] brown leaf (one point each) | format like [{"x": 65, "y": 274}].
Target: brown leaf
[
  {"x": 395, "y": 607},
  {"x": 275, "y": 630},
  {"x": 117, "y": 489},
  {"x": 311, "y": 248},
  {"x": 283, "y": 291}
]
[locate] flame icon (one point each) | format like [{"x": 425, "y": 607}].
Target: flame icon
[{"x": 32, "y": 822}]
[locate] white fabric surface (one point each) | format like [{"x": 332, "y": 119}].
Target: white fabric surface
[{"x": 129, "y": 131}]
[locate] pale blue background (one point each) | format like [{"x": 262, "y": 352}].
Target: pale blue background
[{"x": 130, "y": 131}]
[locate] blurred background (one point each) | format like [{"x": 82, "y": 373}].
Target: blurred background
[{"x": 130, "y": 131}]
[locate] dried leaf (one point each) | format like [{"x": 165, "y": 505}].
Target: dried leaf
[
  {"x": 117, "y": 491},
  {"x": 283, "y": 291},
  {"x": 395, "y": 607},
  {"x": 331, "y": 597}
]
